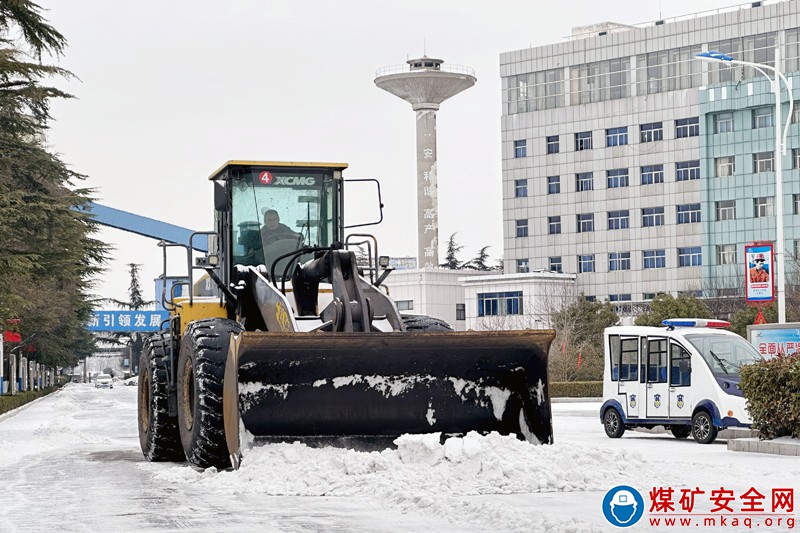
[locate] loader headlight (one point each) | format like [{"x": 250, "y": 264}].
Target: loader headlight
[{"x": 383, "y": 261}]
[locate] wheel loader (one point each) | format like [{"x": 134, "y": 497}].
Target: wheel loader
[{"x": 288, "y": 332}]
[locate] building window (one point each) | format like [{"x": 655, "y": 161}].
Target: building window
[
  {"x": 553, "y": 184},
  {"x": 763, "y": 207},
  {"x": 405, "y": 305},
  {"x": 552, "y": 144},
  {"x": 584, "y": 182},
  {"x": 652, "y": 216},
  {"x": 585, "y": 223},
  {"x": 522, "y": 266},
  {"x": 461, "y": 311},
  {"x": 619, "y": 261},
  {"x": 554, "y": 225},
  {"x": 520, "y": 148},
  {"x": 619, "y": 297},
  {"x": 795, "y": 157},
  {"x": 688, "y": 213},
  {"x": 797, "y": 249},
  {"x": 522, "y": 228},
  {"x": 696, "y": 294},
  {"x": 555, "y": 264},
  {"x": 795, "y": 105},
  {"x": 617, "y": 136},
  {"x": 520, "y": 188},
  {"x": 726, "y": 254},
  {"x": 617, "y": 178},
  {"x": 619, "y": 219},
  {"x": 724, "y": 166},
  {"x": 762, "y": 162},
  {"x": 651, "y": 132},
  {"x": 687, "y": 127},
  {"x": 652, "y": 174},
  {"x": 691, "y": 256},
  {"x": 583, "y": 141},
  {"x": 763, "y": 117},
  {"x": 687, "y": 170},
  {"x": 500, "y": 303},
  {"x": 723, "y": 122},
  {"x": 726, "y": 209},
  {"x": 796, "y": 204},
  {"x": 655, "y": 259},
  {"x": 585, "y": 263}
]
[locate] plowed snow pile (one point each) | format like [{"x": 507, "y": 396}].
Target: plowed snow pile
[{"x": 422, "y": 473}]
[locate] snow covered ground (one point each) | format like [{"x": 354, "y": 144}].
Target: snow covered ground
[{"x": 71, "y": 462}]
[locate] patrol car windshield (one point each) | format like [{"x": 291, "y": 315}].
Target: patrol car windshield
[
  {"x": 724, "y": 354},
  {"x": 276, "y": 211}
]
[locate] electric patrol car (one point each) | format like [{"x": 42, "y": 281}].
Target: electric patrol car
[{"x": 684, "y": 376}]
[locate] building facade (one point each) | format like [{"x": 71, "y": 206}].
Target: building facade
[{"x": 619, "y": 150}]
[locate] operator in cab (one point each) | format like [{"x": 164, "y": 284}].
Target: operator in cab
[{"x": 273, "y": 230}]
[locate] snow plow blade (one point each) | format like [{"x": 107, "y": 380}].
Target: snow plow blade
[{"x": 388, "y": 384}]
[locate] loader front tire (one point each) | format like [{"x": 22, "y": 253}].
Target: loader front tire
[
  {"x": 158, "y": 431},
  {"x": 424, "y": 323},
  {"x": 201, "y": 371}
]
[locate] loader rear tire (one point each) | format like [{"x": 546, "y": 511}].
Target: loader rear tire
[
  {"x": 424, "y": 323},
  {"x": 158, "y": 431},
  {"x": 201, "y": 371}
]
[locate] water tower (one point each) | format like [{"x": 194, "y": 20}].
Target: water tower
[{"x": 425, "y": 83}]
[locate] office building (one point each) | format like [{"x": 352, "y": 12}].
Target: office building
[{"x": 641, "y": 169}]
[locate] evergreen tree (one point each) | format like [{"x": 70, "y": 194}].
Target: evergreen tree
[
  {"x": 479, "y": 262},
  {"x": 665, "y": 306},
  {"x": 47, "y": 257},
  {"x": 451, "y": 260}
]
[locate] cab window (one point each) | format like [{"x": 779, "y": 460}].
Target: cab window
[
  {"x": 680, "y": 363},
  {"x": 657, "y": 360},
  {"x": 624, "y": 358}
]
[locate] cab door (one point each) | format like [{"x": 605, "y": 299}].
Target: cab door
[
  {"x": 628, "y": 382},
  {"x": 657, "y": 385},
  {"x": 681, "y": 402}
]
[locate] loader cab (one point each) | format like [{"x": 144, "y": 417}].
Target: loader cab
[
  {"x": 264, "y": 210},
  {"x": 684, "y": 376}
]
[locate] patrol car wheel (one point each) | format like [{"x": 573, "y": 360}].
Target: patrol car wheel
[
  {"x": 612, "y": 423},
  {"x": 681, "y": 432},
  {"x": 703, "y": 429}
]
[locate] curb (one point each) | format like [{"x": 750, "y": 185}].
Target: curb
[
  {"x": 790, "y": 447},
  {"x": 576, "y": 400}
]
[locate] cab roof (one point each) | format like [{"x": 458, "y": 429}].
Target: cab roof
[{"x": 288, "y": 164}]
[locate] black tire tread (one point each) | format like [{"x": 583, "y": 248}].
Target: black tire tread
[
  {"x": 162, "y": 442},
  {"x": 208, "y": 340}
]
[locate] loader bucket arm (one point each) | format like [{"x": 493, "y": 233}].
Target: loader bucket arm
[{"x": 388, "y": 384}]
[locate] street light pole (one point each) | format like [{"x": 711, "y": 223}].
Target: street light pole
[{"x": 780, "y": 150}]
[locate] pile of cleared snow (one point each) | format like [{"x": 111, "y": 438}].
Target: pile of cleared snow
[{"x": 423, "y": 474}]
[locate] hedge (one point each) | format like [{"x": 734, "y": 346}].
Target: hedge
[
  {"x": 772, "y": 389},
  {"x": 8, "y": 402},
  {"x": 576, "y": 389}
]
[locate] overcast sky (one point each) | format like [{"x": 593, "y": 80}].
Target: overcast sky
[{"x": 170, "y": 90}]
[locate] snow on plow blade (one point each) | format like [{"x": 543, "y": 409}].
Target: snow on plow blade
[{"x": 383, "y": 384}]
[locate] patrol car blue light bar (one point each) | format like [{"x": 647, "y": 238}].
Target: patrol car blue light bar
[{"x": 695, "y": 323}]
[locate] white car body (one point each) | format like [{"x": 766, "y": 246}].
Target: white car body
[
  {"x": 103, "y": 381},
  {"x": 664, "y": 376}
]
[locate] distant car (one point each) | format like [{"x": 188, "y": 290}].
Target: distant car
[
  {"x": 133, "y": 381},
  {"x": 103, "y": 381}
]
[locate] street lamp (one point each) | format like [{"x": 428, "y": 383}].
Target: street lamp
[{"x": 780, "y": 150}]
